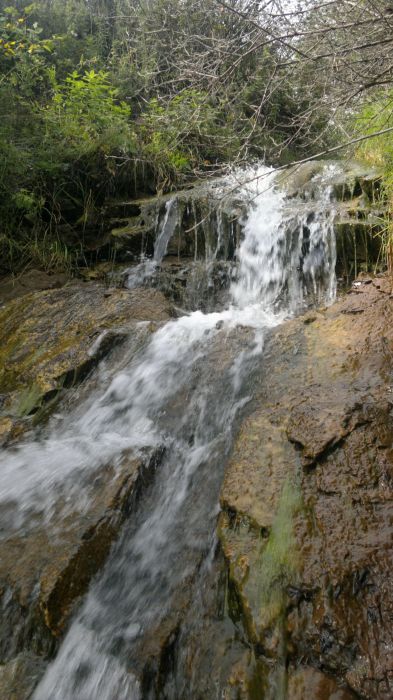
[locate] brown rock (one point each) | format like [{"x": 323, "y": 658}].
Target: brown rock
[
  {"x": 31, "y": 281},
  {"x": 44, "y": 574},
  {"x": 50, "y": 340},
  {"x": 307, "y": 683},
  {"x": 307, "y": 522},
  {"x": 19, "y": 676}
]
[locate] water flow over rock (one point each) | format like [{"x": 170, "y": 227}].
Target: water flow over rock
[
  {"x": 184, "y": 392},
  {"x": 288, "y": 253},
  {"x": 165, "y": 229}
]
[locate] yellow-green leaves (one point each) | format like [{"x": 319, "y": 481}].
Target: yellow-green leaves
[{"x": 84, "y": 114}]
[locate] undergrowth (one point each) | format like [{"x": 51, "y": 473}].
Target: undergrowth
[{"x": 378, "y": 151}]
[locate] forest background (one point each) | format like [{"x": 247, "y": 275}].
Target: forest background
[{"x": 104, "y": 98}]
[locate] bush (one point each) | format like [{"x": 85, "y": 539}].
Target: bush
[
  {"x": 84, "y": 117},
  {"x": 378, "y": 151},
  {"x": 183, "y": 133}
]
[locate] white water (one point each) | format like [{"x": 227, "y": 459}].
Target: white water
[
  {"x": 166, "y": 228},
  {"x": 139, "y": 583}
]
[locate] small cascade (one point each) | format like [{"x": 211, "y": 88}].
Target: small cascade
[
  {"x": 184, "y": 392},
  {"x": 138, "y": 275},
  {"x": 165, "y": 230},
  {"x": 288, "y": 254}
]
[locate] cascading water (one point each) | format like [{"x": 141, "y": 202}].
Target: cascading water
[
  {"x": 203, "y": 363},
  {"x": 166, "y": 227}
]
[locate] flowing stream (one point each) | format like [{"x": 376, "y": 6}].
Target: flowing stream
[{"x": 184, "y": 392}]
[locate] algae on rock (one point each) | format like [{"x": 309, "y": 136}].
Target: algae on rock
[{"x": 280, "y": 557}]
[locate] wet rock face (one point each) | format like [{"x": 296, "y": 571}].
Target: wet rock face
[
  {"x": 307, "y": 500},
  {"x": 55, "y": 567},
  {"x": 58, "y": 560},
  {"x": 348, "y": 180},
  {"x": 359, "y": 205},
  {"x": 19, "y": 677},
  {"x": 307, "y": 683},
  {"x": 44, "y": 573},
  {"x": 306, "y": 503},
  {"x": 201, "y": 217},
  {"x": 209, "y": 225},
  {"x": 193, "y": 285},
  {"x": 50, "y": 340}
]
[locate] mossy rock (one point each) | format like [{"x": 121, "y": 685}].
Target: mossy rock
[{"x": 48, "y": 340}]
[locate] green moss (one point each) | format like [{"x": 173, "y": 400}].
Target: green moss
[
  {"x": 258, "y": 685},
  {"x": 28, "y": 400},
  {"x": 279, "y": 561}
]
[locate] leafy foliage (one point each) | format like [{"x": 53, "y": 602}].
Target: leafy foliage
[
  {"x": 184, "y": 132},
  {"x": 376, "y": 115},
  {"x": 84, "y": 114},
  {"x": 113, "y": 96}
]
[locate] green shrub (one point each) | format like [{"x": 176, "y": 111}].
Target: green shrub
[
  {"x": 378, "y": 151},
  {"x": 84, "y": 117},
  {"x": 183, "y": 133}
]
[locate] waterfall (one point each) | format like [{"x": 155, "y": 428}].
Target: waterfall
[
  {"x": 145, "y": 269},
  {"x": 287, "y": 251},
  {"x": 208, "y": 357}
]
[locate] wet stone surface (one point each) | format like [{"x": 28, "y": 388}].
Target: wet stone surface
[
  {"x": 307, "y": 504},
  {"x": 50, "y": 341},
  {"x": 298, "y": 602},
  {"x": 47, "y": 564}
]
